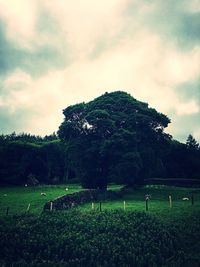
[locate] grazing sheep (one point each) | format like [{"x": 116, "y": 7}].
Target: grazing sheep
[
  {"x": 185, "y": 198},
  {"x": 43, "y": 194},
  {"x": 5, "y": 195},
  {"x": 66, "y": 189}
]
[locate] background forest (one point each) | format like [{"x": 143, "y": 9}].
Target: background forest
[{"x": 114, "y": 138}]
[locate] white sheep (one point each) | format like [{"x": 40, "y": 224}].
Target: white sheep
[
  {"x": 66, "y": 189},
  {"x": 185, "y": 198},
  {"x": 43, "y": 194}
]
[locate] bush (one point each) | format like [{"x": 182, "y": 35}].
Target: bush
[{"x": 95, "y": 239}]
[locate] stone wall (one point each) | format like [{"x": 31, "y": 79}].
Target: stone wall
[{"x": 78, "y": 198}]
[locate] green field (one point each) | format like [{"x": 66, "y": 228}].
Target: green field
[
  {"x": 159, "y": 200},
  {"x": 162, "y": 236},
  {"x": 18, "y": 199}
]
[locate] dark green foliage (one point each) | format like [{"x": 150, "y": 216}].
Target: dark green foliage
[
  {"x": 182, "y": 161},
  {"x": 191, "y": 143},
  {"x": 15, "y": 157},
  {"x": 114, "y": 138},
  {"x": 107, "y": 139},
  {"x": 45, "y": 160},
  {"x": 86, "y": 239},
  {"x": 28, "y": 138},
  {"x": 188, "y": 230},
  {"x": 32, "y": 180}
]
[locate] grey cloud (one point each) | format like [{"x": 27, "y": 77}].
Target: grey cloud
[
  {"x": 9, "y": 56},
  {"x": 17, "y": 121},
  {"x": 189, "y": 90},
  {"x": 42, "y": 60},
  {"x": 36, "y": 62},
  {"x": 171, "y": 19},
  {"x": 184, "y": 125}
]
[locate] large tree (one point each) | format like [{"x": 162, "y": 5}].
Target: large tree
[{"x": 114, "y": 138}]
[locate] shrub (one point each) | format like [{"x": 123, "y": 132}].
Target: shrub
[{"x": 95, "y": 239}]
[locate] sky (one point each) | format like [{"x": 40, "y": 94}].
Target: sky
[{"x": 56, "y": 53}]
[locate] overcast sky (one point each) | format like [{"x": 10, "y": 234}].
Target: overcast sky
[{"x": 55, "y": 53}]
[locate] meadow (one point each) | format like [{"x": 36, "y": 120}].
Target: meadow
[
  {"x": 17, "y": 199},
  {"x": 119, "y": 235}
]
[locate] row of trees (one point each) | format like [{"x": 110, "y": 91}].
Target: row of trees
[
  {"x": 33, "y": 160},
  {"x": 114, "y": 138}
]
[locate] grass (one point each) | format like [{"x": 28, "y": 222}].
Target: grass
[
  {"x": 159, "y": 202},
  {"x": 18, "y": 199}
]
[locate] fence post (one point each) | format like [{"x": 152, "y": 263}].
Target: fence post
[
  {"x": 92, "y": 205},
  {"x": 7, "y": 210},
  {"x": 124, "y": 205},
  {"x": 51, "y": 206},
  {"x": 147, "y": 203},
  {"x": 170, "y": 201},
  {"x": 28, "y": 208},
  {"x": 192, "y": 199}
]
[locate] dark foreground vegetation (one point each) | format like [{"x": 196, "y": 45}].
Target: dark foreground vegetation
[
  {"x": 114, "y": 138},
  {"x": 114, "y": 238}
]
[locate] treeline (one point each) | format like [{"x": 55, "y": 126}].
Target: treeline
[
  {"x": 183, "y": 160},
  {"x": 114, "y": 138},
  {"x": 25, "y": 137},
  {"x": 30, "y": 159},
  {"x": 27, "y": 158}
]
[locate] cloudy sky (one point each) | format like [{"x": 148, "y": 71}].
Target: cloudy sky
[{"x": 55, "y": 53}]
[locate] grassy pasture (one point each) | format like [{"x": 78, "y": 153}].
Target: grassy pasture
[
  {"x": 158, "y": 204},
  {"x": 18, "y": 199}
]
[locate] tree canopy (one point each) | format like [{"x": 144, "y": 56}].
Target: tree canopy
[
  {"x": 23, "y": 156},
  {"x": 114, "y": 137}
]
